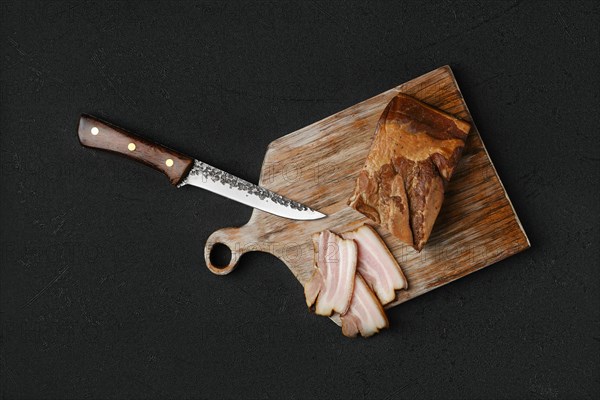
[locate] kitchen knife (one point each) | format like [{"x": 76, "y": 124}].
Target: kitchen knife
[{"x": 183, "y": 170}]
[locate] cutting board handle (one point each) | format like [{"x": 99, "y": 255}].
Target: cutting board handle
[{"x": 234, "y": 239}]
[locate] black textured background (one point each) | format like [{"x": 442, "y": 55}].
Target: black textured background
[{"x": 104, "y": 292}]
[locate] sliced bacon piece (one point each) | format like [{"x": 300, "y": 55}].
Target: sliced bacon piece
[
  {"x": 376, "y": 264},
  {"x": 365, "y": 314},
  {"x": 332, "y": 283}
]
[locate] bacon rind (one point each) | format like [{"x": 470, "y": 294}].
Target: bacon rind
[
  {"x": 414, "y": 153},
  {"x": 376, "y": 264},
  {"x": 313, "y": 287}
]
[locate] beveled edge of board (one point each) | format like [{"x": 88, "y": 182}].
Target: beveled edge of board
[
  {"x": 527, "y": 243},
  {"x": 449, "y": 70}
]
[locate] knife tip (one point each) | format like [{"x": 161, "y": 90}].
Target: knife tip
[{"x": 314, "y": 215}]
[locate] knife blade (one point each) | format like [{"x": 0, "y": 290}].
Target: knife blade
[{"x": 183, "y": 170}]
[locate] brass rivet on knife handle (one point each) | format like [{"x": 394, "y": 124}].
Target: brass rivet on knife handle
[{"x": 98, "y": 134}]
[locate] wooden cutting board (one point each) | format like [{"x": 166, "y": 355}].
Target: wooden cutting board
[{"x": 318, "y": 165}]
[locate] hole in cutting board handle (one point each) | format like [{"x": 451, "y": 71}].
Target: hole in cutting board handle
[
  {"x": 220, "y": 255},
  {"x": 222, "y": 251}
]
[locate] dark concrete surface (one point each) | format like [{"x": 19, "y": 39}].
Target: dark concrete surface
[{"x": 104, "y": 292}]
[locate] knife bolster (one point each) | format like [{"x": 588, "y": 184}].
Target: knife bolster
[{"x": 97, "y": 134}]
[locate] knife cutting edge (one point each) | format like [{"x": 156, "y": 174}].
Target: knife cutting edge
[{"x": 183, "y": 170}]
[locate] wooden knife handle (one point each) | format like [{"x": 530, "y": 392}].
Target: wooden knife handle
[{"x": 98, "y": 134}]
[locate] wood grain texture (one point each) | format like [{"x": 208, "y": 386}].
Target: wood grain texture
[
  {"x": 317, "y": 165},
  {"x": 97, "y": 134}
]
